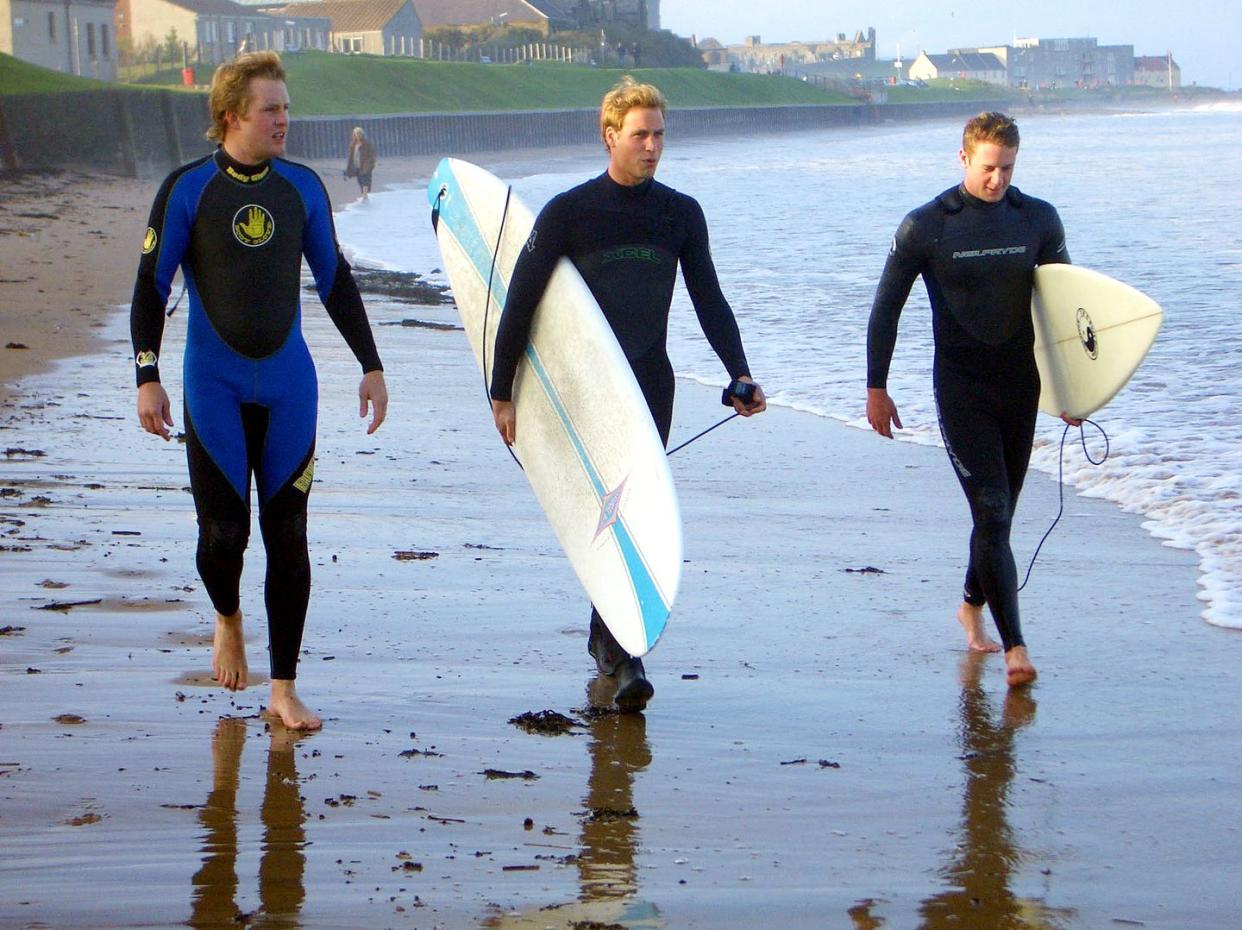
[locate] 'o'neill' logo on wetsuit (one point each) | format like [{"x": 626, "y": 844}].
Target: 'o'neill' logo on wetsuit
[
  {"x": 149, "y": 240},
  {"x": 990, "y": 253},
  {"x": 253, "y": 225},
  {"x": 633, "y": 253}
]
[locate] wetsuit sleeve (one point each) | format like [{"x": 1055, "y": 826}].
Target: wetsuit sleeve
[
  {"x": 904, "y": 264},
  {"x": 334, "y": 280},
  {"x": 534, "y": 267},
  {"x": 167, "y": 238},
  {"x": 1052, "y": 249},
  {"x": 715, "y": 315}
]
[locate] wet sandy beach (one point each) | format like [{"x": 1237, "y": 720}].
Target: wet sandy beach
[{"x": 821, "y": 751}]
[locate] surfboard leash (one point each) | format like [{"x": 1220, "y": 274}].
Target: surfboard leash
[
  {"x": 702, "y": 434},
  {"x": 487, "y": 308},
  {"x": 1082, "y": 436}
]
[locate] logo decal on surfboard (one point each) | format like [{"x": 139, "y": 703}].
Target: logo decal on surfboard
[
  {"x": 1086, "y": 334},
  {"x": 610, "y": 508}
]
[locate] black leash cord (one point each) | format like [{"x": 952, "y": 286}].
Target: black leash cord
[
  {"x": 487, "y": 308},
  {"x": 702, "y": 434},
  {"x": 1082, "y": 436}
]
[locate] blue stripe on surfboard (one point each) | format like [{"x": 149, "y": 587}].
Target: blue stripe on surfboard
[
  {"x": 455, "y": 211},
  {"x": 654, "y": 609}
]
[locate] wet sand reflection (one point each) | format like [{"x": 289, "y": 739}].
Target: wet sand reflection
[
  {"x": 988, "y": 854},
  {"x": 609, "y": 838},
  {"x": 214, "y": 902}
]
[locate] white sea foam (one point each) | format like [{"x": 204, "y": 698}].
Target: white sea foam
[{"x": 800, "y": 225}]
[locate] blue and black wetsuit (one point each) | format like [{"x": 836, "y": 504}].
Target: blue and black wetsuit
[
  {"x": 626, "y": 242},
  {"x": 239, "y": 233},
  {"x": 978, "y": 261}
]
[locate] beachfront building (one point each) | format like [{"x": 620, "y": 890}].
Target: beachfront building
[
  {"x": 71, "y": 36},
  {"x": 1048, "y": 63},
  {"x": 775, "y": 57},
  {"x": 645, "y": 14},
  {"x": 715, "y": 56},
  {"x": 541, "y": 15},
  {"x": 961, "y": 64},
  {"x": 1157, "y": 71},
  {"x": 364, "y": 27},
  {"x": 211, "y": 31}
]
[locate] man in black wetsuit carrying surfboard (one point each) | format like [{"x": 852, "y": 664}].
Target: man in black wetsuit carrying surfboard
[
  {"x": 626, "y": 233},
  {"x": 976, "y": 246}
]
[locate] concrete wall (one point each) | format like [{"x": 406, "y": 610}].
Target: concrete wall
[
  {"x": 148, "y": 134},
  {"x": 135, "y": 134}
]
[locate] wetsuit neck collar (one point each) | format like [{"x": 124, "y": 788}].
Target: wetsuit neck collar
[
  {"x": 626, "y": 190},
  {"x": 243, "y": 174},
  {"x": 1012, "y": 196}
]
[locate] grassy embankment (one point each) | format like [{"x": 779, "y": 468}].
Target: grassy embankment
[{"x": 331, "y": 85}]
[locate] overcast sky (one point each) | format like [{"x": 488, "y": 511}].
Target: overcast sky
[{"x": 1205, "y": 36}]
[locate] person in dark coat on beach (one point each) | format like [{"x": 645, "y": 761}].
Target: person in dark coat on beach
[{"x": 361, "y": 160}]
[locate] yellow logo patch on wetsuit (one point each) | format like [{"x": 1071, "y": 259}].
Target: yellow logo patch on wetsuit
[
  {"x": 149, "y": 240},
  {"x": 146, "y": 359},
  {"x": 253, "y": 225},
  {"x": 304, "y": 480}
]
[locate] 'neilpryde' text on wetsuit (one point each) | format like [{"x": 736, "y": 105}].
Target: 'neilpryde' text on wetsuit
[
  {"x": 239, "y": 232},
  {"x": 626, "y": 242},
  {"x": 977, "y": 260}
]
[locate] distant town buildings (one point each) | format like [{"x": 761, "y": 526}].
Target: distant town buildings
[{"x": 1027, "y": 63}]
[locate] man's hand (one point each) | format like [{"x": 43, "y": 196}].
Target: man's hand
[
  {"x": 505, "y": 415},
  {"x": 757, "y": 405},
  {"x": 373, "y": 391},
  {"x": 882, "y": 412},
  {"x": 154, "y": 411}
]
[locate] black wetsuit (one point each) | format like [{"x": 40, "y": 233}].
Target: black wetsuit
[
  {"x": 977, "y": 260},
  {"x": 626, "y": 242},
  {"x": 239, "y": 233}
]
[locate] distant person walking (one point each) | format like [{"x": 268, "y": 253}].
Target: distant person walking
[
  {"x": 361, "y": 160},
  {"x": 238, "y": 222}
]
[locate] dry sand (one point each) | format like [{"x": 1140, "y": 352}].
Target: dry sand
[{"x": 821, "y": 752}]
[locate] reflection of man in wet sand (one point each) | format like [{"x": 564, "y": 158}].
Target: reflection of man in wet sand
[
  {"x": 987, "y": 853},
  {"x": 239, "y": 222},
  {"x": 281, "y": 889}
]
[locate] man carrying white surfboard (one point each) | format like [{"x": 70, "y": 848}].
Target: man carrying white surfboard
[
  {"x": 626, "y": 233},
  {"x": 976, "y": 246}
]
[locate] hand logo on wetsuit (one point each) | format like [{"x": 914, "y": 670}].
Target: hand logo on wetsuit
[{"x": 253, "y": 225}]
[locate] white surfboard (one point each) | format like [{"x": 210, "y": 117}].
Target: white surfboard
[
  {"x": 1091, "y": 334},
  {"x": 585, "y": 437}
]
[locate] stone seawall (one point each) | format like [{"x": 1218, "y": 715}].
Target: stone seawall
[{"x": 148, "y": 133}]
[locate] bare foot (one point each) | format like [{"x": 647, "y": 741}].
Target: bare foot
[
  {"x": 228, "y": 653},
  {"x": 288, "y": 708},
  {"x": 1021, "y": 671},
  {"x": 977, "y": 639}
]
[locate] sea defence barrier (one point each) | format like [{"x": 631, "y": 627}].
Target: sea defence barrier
[{"x": 148, "y": 133}]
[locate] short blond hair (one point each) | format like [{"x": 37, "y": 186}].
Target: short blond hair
[
  {"x": 230, "y": 87},
  {"x": 993, "y": 127},
  {"x": 628, "y": 94}
]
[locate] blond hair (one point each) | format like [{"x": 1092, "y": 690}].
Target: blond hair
[
  {"x": 993, "y": 127},
  {"x": 230, "y": 87},
  {"x": 627, "y": 94}
]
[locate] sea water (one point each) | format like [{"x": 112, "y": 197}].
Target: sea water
[{"x": 800, "y": 225}]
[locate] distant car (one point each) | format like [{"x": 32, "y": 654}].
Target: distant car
[
  {"x": 908, "y": 82},
  {"x": 484, "y": 60}
]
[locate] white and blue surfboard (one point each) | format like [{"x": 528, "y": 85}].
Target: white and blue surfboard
[{"x": 585, "y": 437}]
